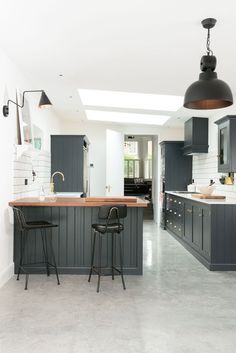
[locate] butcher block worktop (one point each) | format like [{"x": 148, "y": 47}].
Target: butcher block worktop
[{"x": 79, "y": 202}]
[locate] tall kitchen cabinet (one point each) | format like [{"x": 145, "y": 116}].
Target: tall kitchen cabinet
[
  {"x": 176, "y": 171},
  {"x": 69, "y": 155}
]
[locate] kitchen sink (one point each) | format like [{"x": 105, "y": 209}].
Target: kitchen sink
[
  {"x": 186, "y": 192},
  {"x": 68, "y": 194}
]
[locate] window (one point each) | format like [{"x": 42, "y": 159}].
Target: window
[
  {"x": 131, "y": 149},
  {"x": 131, "y": 162},
  {"x": 148, "y": 162},
  {"x": 131, "y": 168}
]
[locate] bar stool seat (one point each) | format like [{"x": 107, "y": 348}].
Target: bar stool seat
[
  {"x": 113, "y": 228},
  {"x": 24, "y": 227}
]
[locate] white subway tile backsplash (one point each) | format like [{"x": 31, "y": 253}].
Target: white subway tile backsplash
[
  {"x": 205, "y": 168},
  {"x": 30, "y": 160}
]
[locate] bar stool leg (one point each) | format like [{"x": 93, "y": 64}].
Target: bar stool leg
[
  {"x": 23, "y": 240},
  {"x": 92, "y": 258},
  {"x": 54, "y": 259},
  {"x": 99, "y": 262},
  {"x": 112, "y": 255},
  {"x": 121, "y": 263},
  {"x": 45, "y": 252},
  {"x": 21, "y": 251},
  {"x": 26, "y": 281}
]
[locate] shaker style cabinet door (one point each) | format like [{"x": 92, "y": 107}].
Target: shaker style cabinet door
[
  {"x": 227, "y": 144},
  {"x": 188, "y": 222},
  {"x": 206, "y": 232},
  {"x": 197, "y": 227},
  {"x": 223, "y": 147}
]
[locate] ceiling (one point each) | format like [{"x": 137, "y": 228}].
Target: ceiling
[{"x": 146, "y": 46}]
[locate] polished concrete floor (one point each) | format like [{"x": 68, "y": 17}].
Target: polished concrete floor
[{"x": 177, "y": 306}]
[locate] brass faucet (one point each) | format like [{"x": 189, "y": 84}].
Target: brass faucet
[{"x": 52, "y": 182}]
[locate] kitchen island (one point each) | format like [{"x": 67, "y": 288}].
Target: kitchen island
[
  {"x": 72, "y": 240},
  {"x": 206, "y": 228}
]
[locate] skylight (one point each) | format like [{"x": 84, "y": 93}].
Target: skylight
[
  {"x": 126, "y": 118},
  {"x": 118, "y": 99}
]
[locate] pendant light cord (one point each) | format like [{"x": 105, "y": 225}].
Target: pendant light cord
[{"x": 209, "y": 51}]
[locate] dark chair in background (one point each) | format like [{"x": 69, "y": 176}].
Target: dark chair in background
[
  {"x": 24, "y": 227},
  {"x": 111, "y": 226}
]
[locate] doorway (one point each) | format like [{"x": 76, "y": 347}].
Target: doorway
[{"x": 138, "y": 169}]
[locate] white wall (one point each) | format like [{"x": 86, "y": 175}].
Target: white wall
[
  {"x": 11, "y": 79},
  {"x": 114, "y": 166},
  {"x": 205, "y": 165}
]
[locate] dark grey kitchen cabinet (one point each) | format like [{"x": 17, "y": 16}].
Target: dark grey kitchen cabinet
[
  {"x": 207, "y": 230},
  {"x": 227, "y": 144},
  {"x": 188, "y": 222},
  {"x": 176, "y": 171},
  {"x": 69, "y": 156},
  {"x": 195, "y": 136},
  {"x": 174, "y": 215},
  {"x": 197, "y": 227}
]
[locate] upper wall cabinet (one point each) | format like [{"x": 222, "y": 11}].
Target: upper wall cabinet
[
  {"x": 196, "y": 136},
  {"x": 227, "y": 144}
]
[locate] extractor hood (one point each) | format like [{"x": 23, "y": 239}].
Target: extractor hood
[{"x": 195, "y": 136}]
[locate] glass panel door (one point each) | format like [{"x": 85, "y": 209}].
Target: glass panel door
[{"x": 223, "y": 146}]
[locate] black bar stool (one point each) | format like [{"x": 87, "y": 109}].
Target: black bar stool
[
  {"x": 111, "y": 215},
  {"x": 24, "y": 228}
]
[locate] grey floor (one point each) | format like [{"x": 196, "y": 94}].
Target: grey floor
[{"x": 177, "y": 306}]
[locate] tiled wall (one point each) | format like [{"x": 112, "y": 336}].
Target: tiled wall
[
  {"x": 205, "y": 168},
  {"x": 26, "y": 162}
]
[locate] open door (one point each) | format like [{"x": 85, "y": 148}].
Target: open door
[{"x": 114, "y": 163}]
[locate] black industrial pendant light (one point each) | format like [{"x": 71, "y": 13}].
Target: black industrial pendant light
[{"x": 208, "y": 92}]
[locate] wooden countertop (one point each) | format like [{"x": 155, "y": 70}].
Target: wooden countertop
[{"x": 80, "y": 202}]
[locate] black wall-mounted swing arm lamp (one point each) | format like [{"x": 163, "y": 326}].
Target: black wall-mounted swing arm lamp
[{"x": 44, "y": 101}]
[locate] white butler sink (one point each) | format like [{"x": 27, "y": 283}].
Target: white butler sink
[{"x": 68, "y": 194}]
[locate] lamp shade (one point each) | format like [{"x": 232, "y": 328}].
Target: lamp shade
[
  {"x": 44, "y": 100},
  {"x": 208, "y": 93}
]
